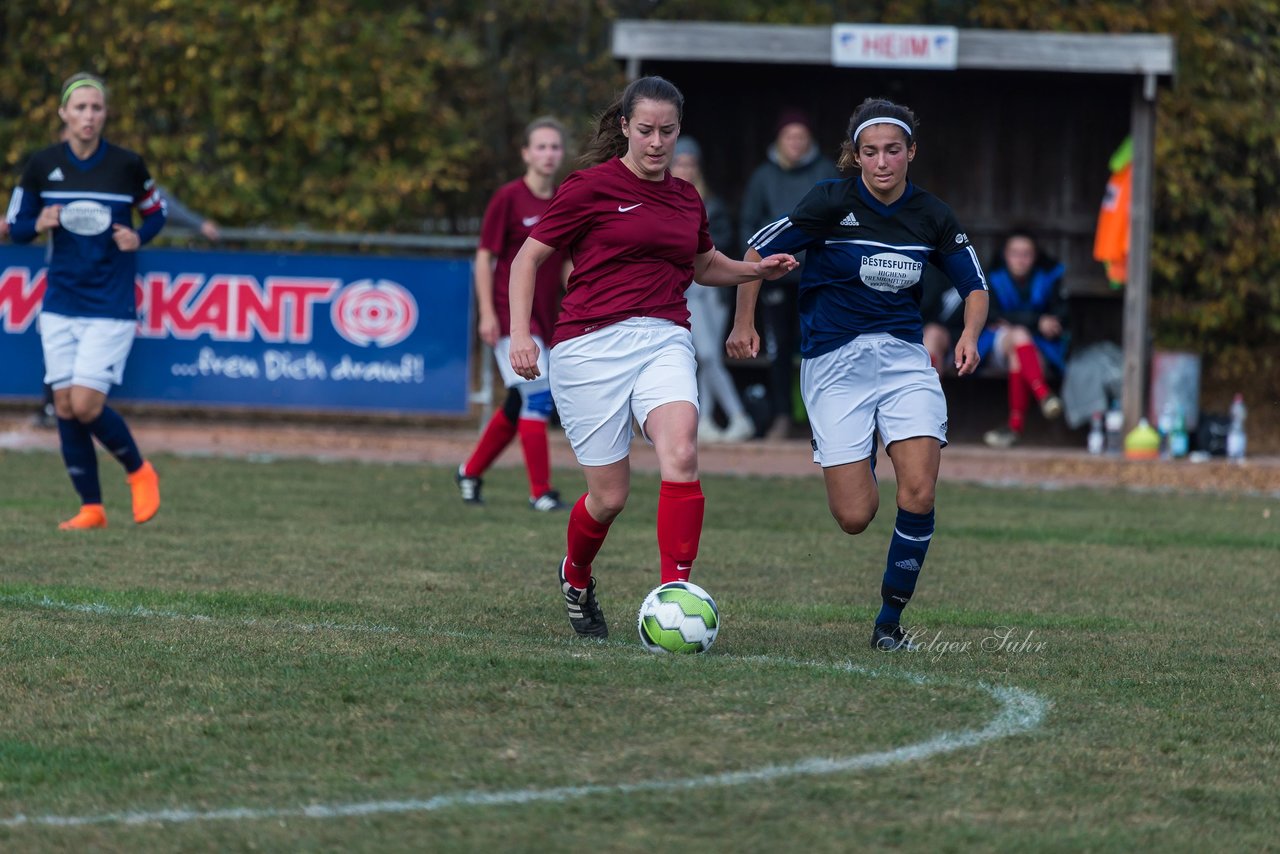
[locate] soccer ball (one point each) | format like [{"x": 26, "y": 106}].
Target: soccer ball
[{"x": 678, "y": 617}]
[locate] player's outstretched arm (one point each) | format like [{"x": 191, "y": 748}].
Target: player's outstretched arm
[{"x": 717, "y": 269}]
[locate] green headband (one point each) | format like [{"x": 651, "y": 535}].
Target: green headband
[{"x": 85, "y": 82}]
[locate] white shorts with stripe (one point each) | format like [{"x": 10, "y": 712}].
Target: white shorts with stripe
[
  {"x": 873, "y": 382},
  {"x": 603, "y": 379},
  {"x": 85, "y": 351}
]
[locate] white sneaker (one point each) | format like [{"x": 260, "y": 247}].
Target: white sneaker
[
  {"x": 708, "y": 432},
  {"x": 740, "y": 429}
]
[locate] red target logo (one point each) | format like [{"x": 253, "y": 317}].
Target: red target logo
[{"x": 374, "y": 312}]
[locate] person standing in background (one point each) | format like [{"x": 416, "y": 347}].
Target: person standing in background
[
  {"x": 709, "y": 315},
  {"x": 83, "y": 191},
  {"x": 793, "y": 165},
  {"x": 510, "y": 216}
]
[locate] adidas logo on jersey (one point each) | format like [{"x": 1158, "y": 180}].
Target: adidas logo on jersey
[
  {"x": 849, "y": 219},
  {"x": 56, "y": 174}
]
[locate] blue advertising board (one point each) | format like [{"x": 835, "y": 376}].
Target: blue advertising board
[{"x": 271, "y": 331}]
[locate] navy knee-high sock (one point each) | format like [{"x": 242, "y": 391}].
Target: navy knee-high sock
[
  {"x": 910, "y": 543},
  {"x": 114, "y": 435},
  {"x": 80, "y": 459}
]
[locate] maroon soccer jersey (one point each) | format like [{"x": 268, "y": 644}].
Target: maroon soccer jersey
[
  {"x": 511, "y": 215},
  {"x": 632, "y": 243}
]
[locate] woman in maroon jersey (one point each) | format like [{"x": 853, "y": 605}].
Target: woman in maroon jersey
[
  {"x": 636, "y": 237},
  {"x": 511, "y": 214}
]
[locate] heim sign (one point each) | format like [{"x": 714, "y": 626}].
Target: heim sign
[{"x": 889, "y": 46}]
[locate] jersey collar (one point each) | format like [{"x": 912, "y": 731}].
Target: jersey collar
[
  {"x": 92, "y": 160},
  {"x": 879, "y": 206}
]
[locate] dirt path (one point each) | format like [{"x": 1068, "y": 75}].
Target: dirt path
[{"x": 1033, "y": 466}]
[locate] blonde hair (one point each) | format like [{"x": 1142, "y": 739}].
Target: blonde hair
[
  {"x": 79, "y": 80},
  {"x": 539, "y": 124}
]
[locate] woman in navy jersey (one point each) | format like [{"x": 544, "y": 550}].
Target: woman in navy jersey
[
  {"x": 636, "y": 237},
  {"x": 84, "y": 190},
  {"x": 512, "y": 212},
  {"x": 865, "y": 369}
]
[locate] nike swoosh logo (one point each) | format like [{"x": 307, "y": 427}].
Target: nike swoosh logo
[
  {"x": 621, "y": 209},
  {"x": 530, "y": 221}
]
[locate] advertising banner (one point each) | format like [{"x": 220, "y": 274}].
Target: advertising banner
[{"x": 271, "y": 331}]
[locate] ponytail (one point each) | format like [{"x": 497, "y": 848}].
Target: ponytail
[{"x": 608, "y": 141}]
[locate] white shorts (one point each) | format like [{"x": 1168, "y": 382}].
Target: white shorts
[
  {"x": 602, "y": 379},
  {"x": 85, "y": 351},
  {"x": 502, "y": 354},
  {"x": 874, "y": 381}
]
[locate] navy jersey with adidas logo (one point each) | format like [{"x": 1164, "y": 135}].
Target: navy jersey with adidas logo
[
  {"x": 864, "y": 263},
  {"x": 89, "y": 276}
]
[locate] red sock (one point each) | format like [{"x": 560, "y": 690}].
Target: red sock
[
  {"x": 1017, "y": 401},
  {"x": 1029, "y": 364},
  {"x": 497, "y": 434},
  {"x": 537, "y": 456},
  {"x": 585, "y": 537},
  {"x": 680, "y": 510}
]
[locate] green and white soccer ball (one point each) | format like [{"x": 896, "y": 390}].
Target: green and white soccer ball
[{"x": 678, "y": 617}]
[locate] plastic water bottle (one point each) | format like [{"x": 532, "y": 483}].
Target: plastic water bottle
[
  {"x": 1178, "y": 439},
  {"x": 1097, "y": 439},
  {"x": 1115, "y": 430},
  {"x": 1236, "y": 439}
]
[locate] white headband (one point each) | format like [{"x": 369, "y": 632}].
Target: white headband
[{"x": 880, "y": 120}]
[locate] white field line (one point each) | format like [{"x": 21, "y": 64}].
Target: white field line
[
  {"x": 148, "y": 613},
  {"x": 1020, "y": 711}
]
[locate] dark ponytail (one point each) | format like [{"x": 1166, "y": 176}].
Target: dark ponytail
[
  {"x": 873, "y": 108},
  {"x": 608, "y": 141}
]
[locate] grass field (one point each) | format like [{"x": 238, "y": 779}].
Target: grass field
[{"x": 343, "y": 656}]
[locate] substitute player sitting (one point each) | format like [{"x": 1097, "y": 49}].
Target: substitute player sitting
[
  {"x": 864, "y": 366},
  {"x": 84, "y": 190},
  {"x": 622, "y": 347}
]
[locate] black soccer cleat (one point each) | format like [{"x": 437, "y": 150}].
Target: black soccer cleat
[
  {"x": 890, "y": 637},
  {"x": 468, "y": 487},
  {"x": 584, "y": 611},
  {"x": 547, "y": 502}
]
